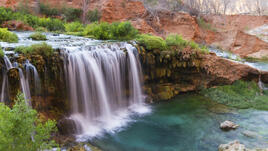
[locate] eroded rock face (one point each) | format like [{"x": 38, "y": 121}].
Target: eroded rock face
[
  {"x": 168, "y": 73},
  {"x": 122, "y": 10},
  {"x": 228, "y": 125},
  {"x": 249, "y": 46}
]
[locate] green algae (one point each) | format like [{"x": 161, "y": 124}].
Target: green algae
[{"x": 240, "y": 94}]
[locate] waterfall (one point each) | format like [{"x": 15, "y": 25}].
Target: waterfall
[
  {"x": 24, "y": 82},
  {"x": 261, "y": 84},
  {"x": 104, "y": 84},
  {"x": 31, "y": 73}
]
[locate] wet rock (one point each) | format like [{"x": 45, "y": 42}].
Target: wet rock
[
  {"x": 66, "y": 126},
  {"x": 228, "y": 125},
  {"x": 236, "y": 146},
  {"x": 232, "y": 146},
  {"x": 83, "y": 147}
]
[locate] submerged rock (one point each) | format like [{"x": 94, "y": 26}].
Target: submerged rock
[
  {"x": 228, "y": 125},
  {"x": 251, "y": 134},
  {"x": 236, "y": 146},
  {"x": 232, "y": 146}
]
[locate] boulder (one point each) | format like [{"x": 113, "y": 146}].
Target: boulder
[
  {"x": 228, "y": 125},
  {"x": 232, "y": 146},
  {"x": 66, "y": 126}
]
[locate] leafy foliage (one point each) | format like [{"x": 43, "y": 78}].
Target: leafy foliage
[
  {"x": 7, "y": 36},
  {"x": 48, "y": 10},
  {"x": 115, "y": 31},
  {"x": 240, "y": 95},
  {"x": 176, "y": 40},
  {"x": 20, "y": 128},
  {"x": 74, "y": 27},
  {"x": 204, "y": 25},
  {"x": 1, "y": 53},
  {"x": 93, "y": 15},
  {"x": 151, "y": 42},
  {"x": 33, "y": 21},
  {"x": 71, "y": 14},
  {"x": 5, "y": 14},
  {"x": 41, "y": 29},
  {"x": 38, "y": 36},
  {"x": 38, "y": 49}
]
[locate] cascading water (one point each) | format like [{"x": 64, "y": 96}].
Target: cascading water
[
  {"x": 24, "y": 82},
  {"x": 98, "y": 78}
]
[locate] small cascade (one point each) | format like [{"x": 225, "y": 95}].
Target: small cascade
[
  {"x": 104, "y": 84},
  {"x": 32, "y": 74},
  {"x": 261, "y": 84},
  {"x": 24, "y": 81}
]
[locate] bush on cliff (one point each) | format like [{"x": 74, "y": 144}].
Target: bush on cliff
[
  {"x": 8, "y": 36},
  {"x": 241, "y": 94},
  {"x": 71, "y": 14},
  {"x": 5, "y": 14},
  {"x": 37, "y": 49},
  {"x": 20, "y": 128},
  {"x": 151, "y": 42},
  {"x": 93, "y": 15},
  {"x": 176, "y": 40},
  {"x": 74, "y": 27},
  {"x": 38, "y": 36},
  {"x": 114, "y": 31},
  {"x": 48, "y": 10}
]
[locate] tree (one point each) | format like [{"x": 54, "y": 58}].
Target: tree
[
  {"x": 85, "y": 7},
  {"x": 258, "y": 7},
  {"x": 21, "y": 130},
  {"x": 226, "y": 3}
]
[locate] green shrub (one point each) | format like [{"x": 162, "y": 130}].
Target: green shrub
[
  {"x": 151, "y": 42},
  {"x": 176, "y": 40},
  {"x": 41, "y": 29},
  {"x": 5, "y": 14},
  {"x": 100, "y": 31},
  {"x": 72, "y": 14},
  {"x": 93, "y": 16},
  {"x": 123, "y": 31},
  {"x": 33, "y": 21},
  {"x": 193, "y": 45},
  {"x": 20, "y": 128},
  {"x": 38, "y": 49},
  {"x": 48, "y": 10},
  {"x": 204, "y": 25},
  {"x": 240, "y": 95},
  {"x": 7, "y": 36},
  {"x": 38, "y": 36},
  {"x": 1, "y": 53},
  {"x": 74, "y": 27},
  {"x": 115, "y": 31}
]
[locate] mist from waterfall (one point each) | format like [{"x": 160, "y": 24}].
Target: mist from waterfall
[{"x": 105, "y": 87}]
